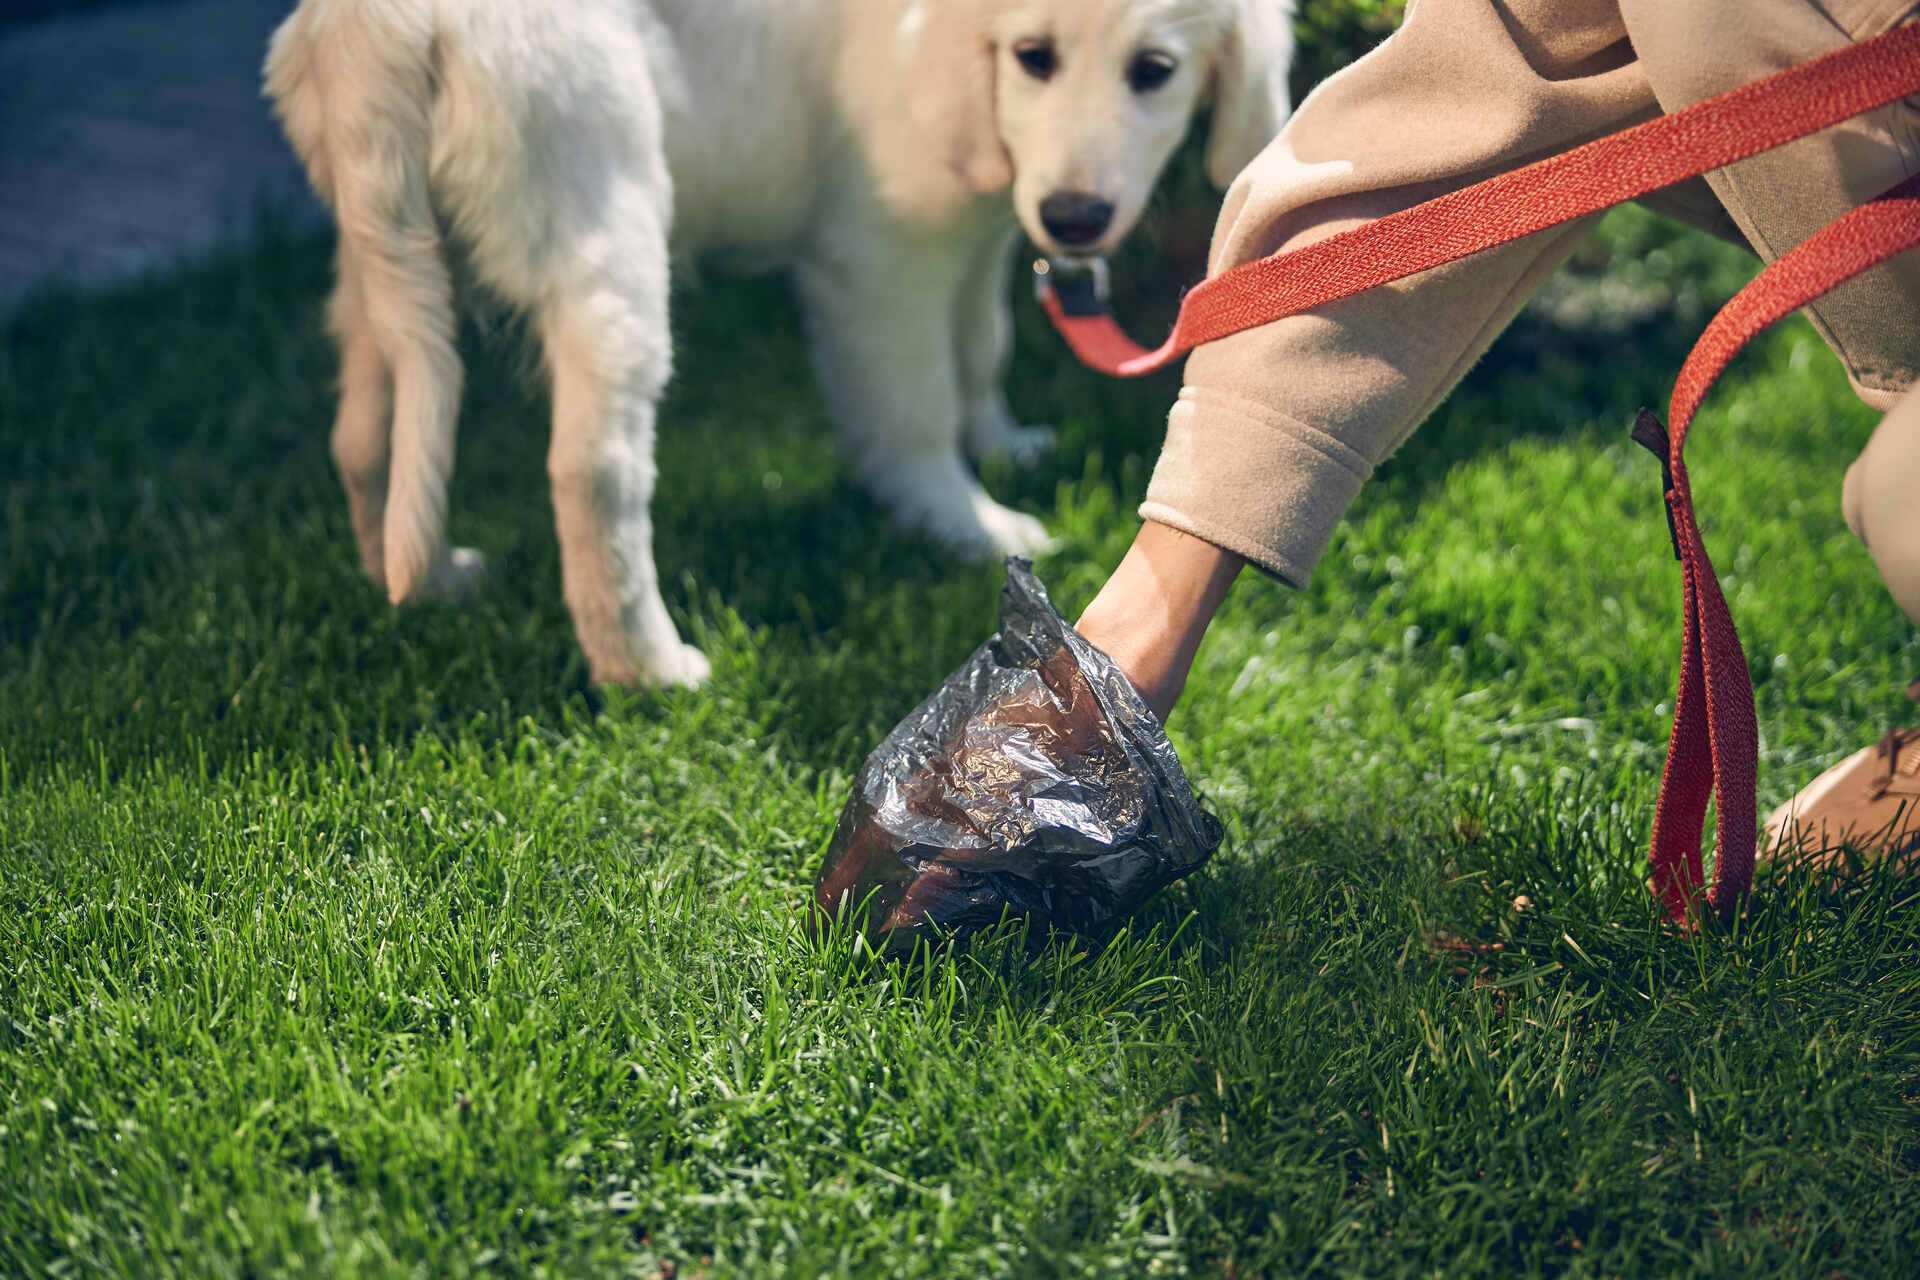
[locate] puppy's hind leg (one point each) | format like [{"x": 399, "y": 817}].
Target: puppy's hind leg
[
  {"x": 362, "y": 447},
  {"x": 409, "y": 304},
  {"x": 365, "y": 415},
  {"x": 607, "y": 349},
  {"x": 353, "y": 84},
  {"x": 390, "y": 251}
]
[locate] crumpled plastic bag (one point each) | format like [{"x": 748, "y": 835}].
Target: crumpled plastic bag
[{"x": 1034, "y": 782}]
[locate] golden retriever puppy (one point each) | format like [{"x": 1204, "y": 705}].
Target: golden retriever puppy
[{"x": 574, "y": 151}]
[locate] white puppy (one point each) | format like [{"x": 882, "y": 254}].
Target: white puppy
[{"x": 866, "y": 145}]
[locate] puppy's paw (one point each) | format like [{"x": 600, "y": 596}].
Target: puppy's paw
[
  {"x": 940, "y": 496},
  {"x": 669, "y": 666},
  {"x": 1012, "y": 533},
  {"x": 454, "y": 577},
  {"x": 676, "y": 665}
]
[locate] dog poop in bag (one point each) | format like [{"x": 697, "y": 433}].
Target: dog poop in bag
[{"x": 1034, "y": 782}]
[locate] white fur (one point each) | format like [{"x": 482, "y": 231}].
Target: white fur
[{"x": 573, "y": 150}]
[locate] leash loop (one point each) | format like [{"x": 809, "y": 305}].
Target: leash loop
[{"x": 1715, "y": 748}]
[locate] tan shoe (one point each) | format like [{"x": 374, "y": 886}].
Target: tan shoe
[{"x": 1868, "y": 803}]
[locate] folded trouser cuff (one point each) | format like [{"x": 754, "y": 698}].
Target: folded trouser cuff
[{"x": 1254, "y": 482}]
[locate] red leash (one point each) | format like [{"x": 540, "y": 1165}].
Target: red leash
[{"x": 1715, "y": 745}]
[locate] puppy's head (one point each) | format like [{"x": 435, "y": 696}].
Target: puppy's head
[{"x": 1079, "y": 103}]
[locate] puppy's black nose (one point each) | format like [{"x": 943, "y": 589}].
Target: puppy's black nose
[{"x": 1074, "y": 217}]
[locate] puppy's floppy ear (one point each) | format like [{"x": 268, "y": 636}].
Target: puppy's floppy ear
[
  {"x": 946, "y": 72},
  {"x": 1250, "y": 100}
]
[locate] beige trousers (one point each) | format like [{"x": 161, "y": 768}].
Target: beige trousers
[{"x": 1277, "y": 427}]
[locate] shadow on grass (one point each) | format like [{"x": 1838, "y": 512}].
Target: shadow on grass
[{"x": 178, "y": 580}]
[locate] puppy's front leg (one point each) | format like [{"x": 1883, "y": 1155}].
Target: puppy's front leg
[
  {"x": 881, "y": 318},
  {"x": 607, "y": 354},
  {"x": 985, "y": 333}
]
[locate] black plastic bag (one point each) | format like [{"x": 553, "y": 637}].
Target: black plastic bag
[{"x": 1034, "y": 782}]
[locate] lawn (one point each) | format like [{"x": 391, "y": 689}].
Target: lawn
[{"x": 350, "y": 941}]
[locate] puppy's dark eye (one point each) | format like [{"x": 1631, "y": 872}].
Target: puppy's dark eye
[
  {"x": 1149, "y": 70},
  {"x": 1038, "y": 58}
]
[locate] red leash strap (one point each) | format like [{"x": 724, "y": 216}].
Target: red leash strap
[
  {"x": 1715, "y": 747},
  {"x": 1622, "y": 166}
]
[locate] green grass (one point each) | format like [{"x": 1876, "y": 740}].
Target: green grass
[{"x": 341, "y": 940}]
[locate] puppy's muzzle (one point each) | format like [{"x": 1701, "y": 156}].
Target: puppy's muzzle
[{"x": 1075, "y": 218}]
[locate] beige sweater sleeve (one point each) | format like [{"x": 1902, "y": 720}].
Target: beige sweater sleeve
[{"x": 1277, "y": 427}]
